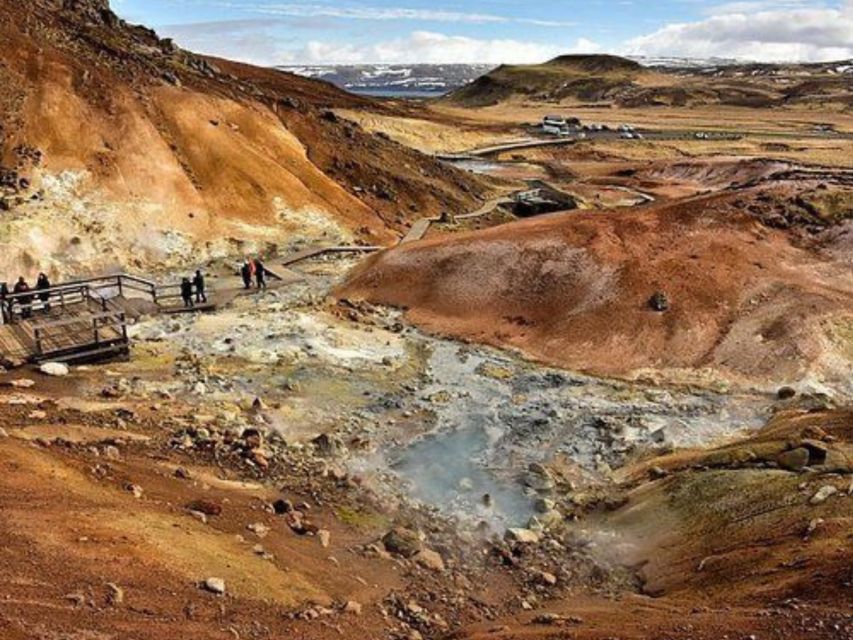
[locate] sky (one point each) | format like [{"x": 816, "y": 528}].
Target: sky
[{"x": 281, "y": 32}]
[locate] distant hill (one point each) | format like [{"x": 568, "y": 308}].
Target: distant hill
[{"x": 606, "y": 79}]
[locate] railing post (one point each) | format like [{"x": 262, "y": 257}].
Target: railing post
[
  {"x": 97, "y": 333},
  {"x": 39, "y": 350}
]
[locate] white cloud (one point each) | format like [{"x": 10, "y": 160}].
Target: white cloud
[
  {"x": 772, "y": 35},
  {"x": 307, "y": 10},
  {"x": 428, "y": 47}
]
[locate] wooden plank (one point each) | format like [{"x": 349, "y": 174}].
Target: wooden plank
[
  {"x": 303, "y": 255},
  {"x": 318, "y": 251},
  {"x": 417, "y": 230}
]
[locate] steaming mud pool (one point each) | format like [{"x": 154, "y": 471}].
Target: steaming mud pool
[{"x": 469, "y": 431}]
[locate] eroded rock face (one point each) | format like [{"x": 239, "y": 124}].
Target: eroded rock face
[{"x": 89, "y": 10}]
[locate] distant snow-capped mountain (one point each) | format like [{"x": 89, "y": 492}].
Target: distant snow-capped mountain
[{"x": 395, "y": 79}]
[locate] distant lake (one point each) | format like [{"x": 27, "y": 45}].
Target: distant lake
[{"x": 390, "y": 92}]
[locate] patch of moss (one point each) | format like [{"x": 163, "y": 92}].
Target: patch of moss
[
  {"x": 830, "y": 207},
  {"x": 369, "y": 520}
]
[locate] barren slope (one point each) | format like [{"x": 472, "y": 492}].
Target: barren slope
[
  {"x": 574, "y": 289},
  {"x": 117, "y": 147}
]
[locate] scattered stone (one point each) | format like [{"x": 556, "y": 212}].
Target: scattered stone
[
  {"x": 77, "y": 599},
  {"x": 56, "y": 369},
  {"x": 3, "y": 433},
  {"x": 22, "y": 383},
  {"x": 656, "y": 473},
  {"x": 555, "y": 618},
  {"x": 823, "y": 494},
  {"x": 429, "y": 559},
  {"x": 182, "y": 473},
  {"x": 111, "y": 452},
  {"x": 539, "y": 478},
  {"x": 353, "y": 607},
  {"x": 207, "y": 507},
  {"x": 494, "y": 371},
  {"x": 786, "y": 393},
  {"x": 813, "y": 526},
  {"x": 135, "y": 489},
  {"x": 259, "y": 529},
  {"x": 325, "y": 538},
  {"x": 214, "y": 585},
  {"x": 522, "y": 536},
  {"x": 115, "y": 594},
  {"x": 544, "y": 505},
  {"x": 543, "y": 577},
  {"x": 37, "y": 415},
  {"x": 282, "y": 506},
  {"x": 659, "y": 302},
  {"x": 326, "y": 445}
]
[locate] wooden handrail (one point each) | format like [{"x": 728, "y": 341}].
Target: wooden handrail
[{"x": 55, "y": 324}]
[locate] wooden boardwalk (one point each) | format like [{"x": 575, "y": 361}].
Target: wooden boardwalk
[
  {"x": 315, "y": 252},
  {"x": 80, "y": 320}
]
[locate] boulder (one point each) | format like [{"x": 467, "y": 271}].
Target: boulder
[
  {"x": 794, "y": 460},
  {"x": 402, "y": 542},
  {"x": 430, "y": 560}
]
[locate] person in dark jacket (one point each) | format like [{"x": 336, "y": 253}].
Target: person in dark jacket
[
  {"x": 246, "y": 272},
  {"x": 43, "y": 286},
  {"x": 187, "y": 293},
  {"x": 260, "y": 274},
  {"x": 198, "y": 283},
  {"x": 25, "y": 302},
  {"x": 5, "y": 317}
]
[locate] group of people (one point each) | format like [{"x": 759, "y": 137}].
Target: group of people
[
  {"x": 254, "y": 270},
  {"x": 193, "y": 291},
  {"x": 25, "y": 297}
]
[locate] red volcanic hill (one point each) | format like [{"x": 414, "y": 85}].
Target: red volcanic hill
[
  {"x": 574, "y": 289},
  {"x": 116, "y": 145}
]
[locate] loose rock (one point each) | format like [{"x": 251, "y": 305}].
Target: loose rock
[
  {"x": 56, "y": 369},
  {"x": 823, "y": 494},
  {"x": 214, "y": 585}
]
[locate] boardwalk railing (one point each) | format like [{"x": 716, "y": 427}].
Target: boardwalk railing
[
  {"x": 95, "y": 331},
  {"x": 99, "y": 290}
]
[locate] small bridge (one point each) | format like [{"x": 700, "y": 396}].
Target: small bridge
[{"x": 81, "y": 320}]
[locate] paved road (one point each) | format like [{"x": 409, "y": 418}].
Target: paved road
[{"x": 647, "y": 134}]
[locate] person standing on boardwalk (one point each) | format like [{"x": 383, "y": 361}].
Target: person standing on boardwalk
[
  {"x": 187, "y": 293},
  {"x": 246, "y": 272},
  {"x": 260, "y": 274},
  {"x": 43, "y": 286},
  {"x": 5, "y": 316},
  {"x": 198, "y": 283},
  {"x": 25, "y": 302}
]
